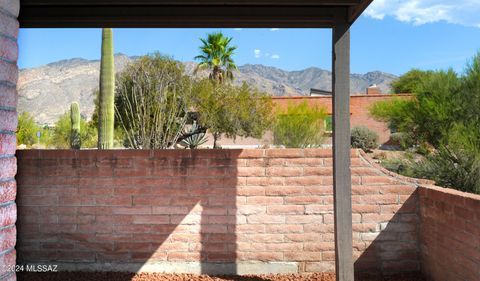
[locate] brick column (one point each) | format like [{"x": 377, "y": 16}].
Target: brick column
[{"x": 8, "y": 124}]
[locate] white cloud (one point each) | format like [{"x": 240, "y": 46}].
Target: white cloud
[
  {"x": 237, "y": 29},
  {"x": 274, "y": 29},
  {"x": 258, "y": 53},
  {"x": 418, "y": 12}
]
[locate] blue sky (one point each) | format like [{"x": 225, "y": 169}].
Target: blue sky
[{"x": 392, "y": 36}]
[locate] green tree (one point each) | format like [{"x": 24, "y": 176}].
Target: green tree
[
  {"x": 429, "y": 116},
  {"x": 60, "y": 137},
  {"x": 216, "y": 56},
  {"x": 410, "y": 82},
  {"x": 152, "y": 102},
  {"x": 469, "y": 101},
  {"x": 232, "y": 111},
  {"x": 300, "y": 125},
  {"x": 444, "y": 115},
  {"x": 27, "y": 129},
  {"x": 46, "y": 135}
]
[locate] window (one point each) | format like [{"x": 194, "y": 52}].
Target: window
[{"x": 328, "y": 124}]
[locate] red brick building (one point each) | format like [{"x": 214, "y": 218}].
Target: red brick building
[
  {"x": 359, "y": 115},
  {"x": 359, "y": 107}
]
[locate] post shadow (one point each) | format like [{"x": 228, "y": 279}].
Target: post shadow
[
  {"x": 64, "y": 221},
  {"x": 395, "y": 249}
]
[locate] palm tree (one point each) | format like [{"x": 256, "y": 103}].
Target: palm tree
[{"x": 217, "y": 57}]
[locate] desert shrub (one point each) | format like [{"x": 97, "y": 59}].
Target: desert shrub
[
  {"x": 427, "y": 117},
  {"x": 397, "y": 113},
  {"x": 451, "y": 167},
  {"x": 27, "y": 129},
  {"x": 456, "y": 163},
  {"x": 410, "y": 82},
  {"x": 60, "y": 135},
  {"x": 405, "y": 167},
  {"x": 300, "y": 125},
  {"x": 443, "y": 122},
  {"x": 402, "y": 140},
  {"x": 153, "y": 97},
  {"x": 231, "y": 110},
  {"x": 364, "y": 138}
]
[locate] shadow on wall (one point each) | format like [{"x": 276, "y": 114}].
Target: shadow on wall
[
  {"x": 387, "y": 244},
  {"x": 129, "y": 210},
  {"x": 208, "y": 211}
]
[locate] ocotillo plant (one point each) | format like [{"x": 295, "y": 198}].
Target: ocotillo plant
[
  {"x": 106, "y": 112},
  {"x": 75, "y": 141}
]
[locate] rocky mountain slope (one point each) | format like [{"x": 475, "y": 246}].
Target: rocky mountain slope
[{"x": 47, "y": 91}]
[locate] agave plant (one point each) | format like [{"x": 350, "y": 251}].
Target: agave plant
[{"x": 193, "y": 137}]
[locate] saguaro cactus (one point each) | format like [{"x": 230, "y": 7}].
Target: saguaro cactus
[
  {"x": 106, "y": 112},
  {"x": 75, "y": 141}
]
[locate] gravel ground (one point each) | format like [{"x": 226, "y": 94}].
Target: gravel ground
[{"x": 117, "y": 276}]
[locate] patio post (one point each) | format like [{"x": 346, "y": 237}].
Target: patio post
[{"x": 342, "y": 185}]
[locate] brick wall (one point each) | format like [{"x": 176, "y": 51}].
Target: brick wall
[
  {"x": 237, "y": 207},
  {"x": 8, "y": 124},
  {"x": 450, "y": 234},
  {"x": 359, "y": 106}
]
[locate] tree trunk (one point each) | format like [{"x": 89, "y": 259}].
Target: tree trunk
[
  {"x": 217, "y": 74},
  {"x": 216, "y": 137}
]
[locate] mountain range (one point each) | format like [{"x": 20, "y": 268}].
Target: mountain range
[{"x": 47, "y": 91}]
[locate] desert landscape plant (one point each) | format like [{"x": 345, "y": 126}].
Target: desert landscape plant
[
  {"x": 442, "y": 121},
  {"x": 27, "y": 129},
  {"x": 60, "y": 135},
  {"x": 232, "y": 111},
  {"x": 300, "y": 125},
  {"x": 428, "y": 117},
  {"x": 217, "y": 56},
  {"x": 106, "y": 113},
  {"x": 75, "y": 139},
  {"x": 364, "y": 138},
  {"x": 153, "y": 99},
  {"x": 193, "y": 137},
  {"x": 410, "y": 82}
]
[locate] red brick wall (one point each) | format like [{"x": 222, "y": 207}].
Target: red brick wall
[
  {"x": 8, "y": 125},
  {"x": 359, "y": 106},
  {"x": 450, "y": 234},
  {"x": 265, "y": 206}
]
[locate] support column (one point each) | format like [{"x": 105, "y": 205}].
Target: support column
[
  {"x": 342, "y": 184},
  {"x": 8, "y": 125}
]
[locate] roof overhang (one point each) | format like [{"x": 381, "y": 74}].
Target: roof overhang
[{"x": 189, "y": 13}]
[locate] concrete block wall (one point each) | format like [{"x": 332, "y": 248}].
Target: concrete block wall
[
  {"x": 207, "y": 211},
  {"x": 450, "y": 234},
  {"x": 9, "y": 10}
]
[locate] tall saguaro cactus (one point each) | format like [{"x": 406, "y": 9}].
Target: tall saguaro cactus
[
  {"x": 75, "y": 141},
  {"x": 106, "y": 112}
]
